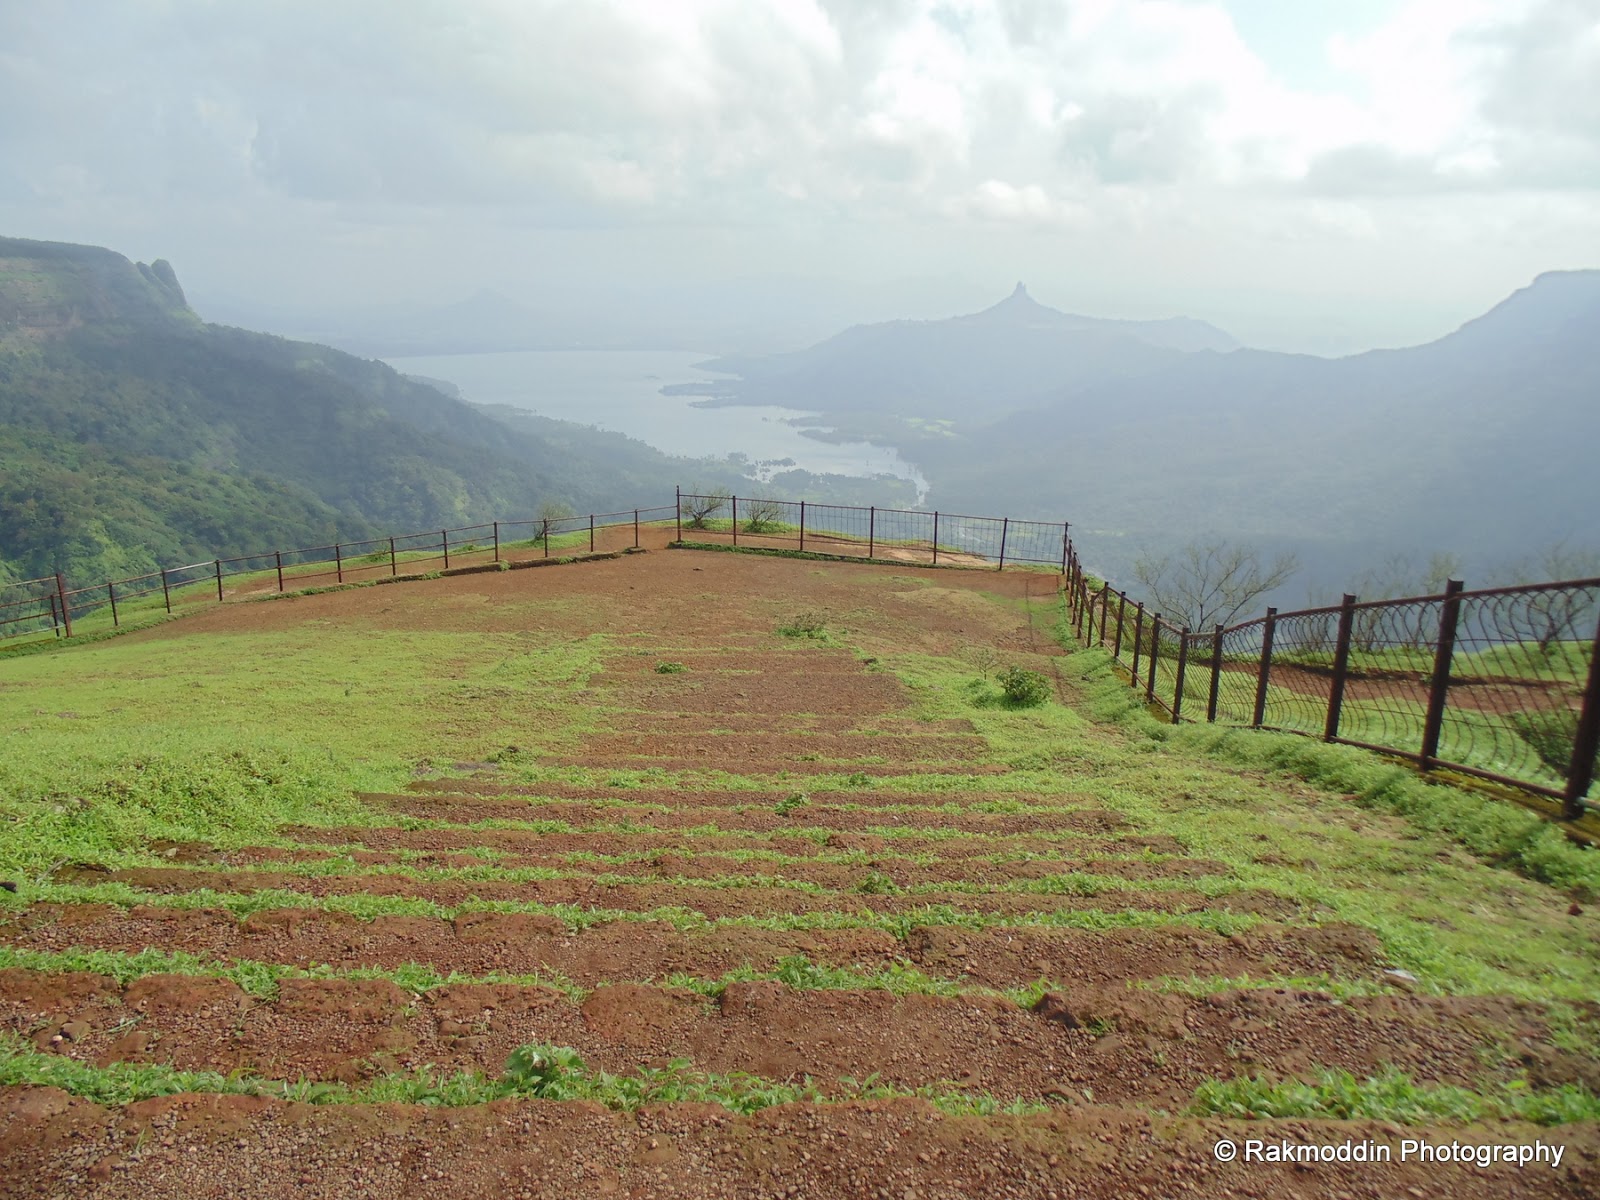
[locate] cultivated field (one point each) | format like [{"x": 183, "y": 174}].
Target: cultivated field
[{"x": 694, "y": 874}]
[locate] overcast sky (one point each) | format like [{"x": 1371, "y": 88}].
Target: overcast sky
[{"x": 1306, "y": 173}]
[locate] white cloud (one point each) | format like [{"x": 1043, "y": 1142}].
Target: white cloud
[{"x": 1065, "y": 121}]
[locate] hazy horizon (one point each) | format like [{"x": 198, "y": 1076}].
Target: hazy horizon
[{"x": 1324, "y": 179}]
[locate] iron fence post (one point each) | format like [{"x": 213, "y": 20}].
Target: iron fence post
[
  {"x": 1088, "y": 616},
  {"x": 1155, "y": 654},
  {"x": 802, "y": 524},
  {"x": 219, "y": 581},
  {"x": 546, "y": 536},
  {"x": 1138, "y": 636},
  {"x": 444, "y": 540},
  {"x": 338, "y": 561},
  {"x": 1066, "y": 544},
  {"x": 277, "y": 558},
  {"x": 1105, "y": 608},
  {"x": 679, "y": 493},
  {"x": 1216, "y": 674},
  {"x": 111, "y": 591},
  {"x": 736, "y": 520},
  {"x": 66, "y": 611},
  {"x": 636, "y": 529},
  {"x": 1005, "y": 527},
  {"x": 872, "y": 528},
  {"x": 1580, "y": 773},
  {"x": 497, "y": 541},
  {"x": 591, "y": 533},
  {"x": 1122, "y": 615},
  {"x": 394, "y": 567},
  {"x": 1341, "y": 667},
  {"x": 1439, "y": 687},
  {"x": 166, "y": 592},
  {"x": 936, "y": 537},
  {"x": 1267, "y": 632},
  {"x": 1183, "y": 664}
]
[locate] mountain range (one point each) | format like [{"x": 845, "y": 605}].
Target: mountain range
[
  {"x": 1147, "y": 435},
  {"x": 134, "y": 433}
]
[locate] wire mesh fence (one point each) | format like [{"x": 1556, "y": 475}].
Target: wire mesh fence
[
  {"x": 1501, "y": 683},
  {"x": 892, "y": 534}
]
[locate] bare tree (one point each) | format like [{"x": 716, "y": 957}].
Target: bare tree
[
  {"x": 554, "y": 510},
  {"x": 1558, "y": 614},
  {"x": 1210, "y": 583},
  {"x": 763, "y": 516},
  {"x": 699, "y": 506}
]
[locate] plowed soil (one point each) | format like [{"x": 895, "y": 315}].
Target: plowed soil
[{"x": 745, "y": 857}]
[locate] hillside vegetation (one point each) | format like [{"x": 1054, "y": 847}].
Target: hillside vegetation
[{"x": 133, "y": 434}]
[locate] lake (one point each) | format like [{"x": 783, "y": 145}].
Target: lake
[{"x": 620, "y": 390}]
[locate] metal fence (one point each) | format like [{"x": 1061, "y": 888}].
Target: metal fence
[
  {"x": 49, "y": 607},
  {"x": 1501, "y": 683},
  {"x": 883, "y": 534}
]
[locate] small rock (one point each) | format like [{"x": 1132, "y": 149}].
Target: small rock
[
  {"x": 76, "y": 1031},
  {"x": 1575, "y": 911},
  {"x": 1404, "y": 979},
  {"x": 7, "y": 885}
]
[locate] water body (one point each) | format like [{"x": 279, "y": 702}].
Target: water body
[{"x": 620, "y": 390}]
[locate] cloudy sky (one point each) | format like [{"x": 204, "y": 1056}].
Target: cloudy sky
[{"x": 1307, "y": 173}]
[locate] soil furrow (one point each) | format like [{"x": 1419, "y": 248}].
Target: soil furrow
[
  {"x": 481, "y": 943},
  {"x": 180, "y": 1148},
  {"x": 1112, "y": 1045}
]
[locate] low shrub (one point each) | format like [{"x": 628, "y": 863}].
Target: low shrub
[{"x": 1022, "y": 688}]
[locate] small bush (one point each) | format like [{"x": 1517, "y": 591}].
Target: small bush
[
  {"x": 876, "y": 883},
  {"x": 670, "y": 668},
  {"x": 763, "y": 516},
  {"x": 1023, "y": 689},
  {"x": 808, "y": 624},
  {"x": 551, "y": 1072},
  {"x": 791, "y": 802}
]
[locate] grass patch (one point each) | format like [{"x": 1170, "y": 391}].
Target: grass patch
[
  {"x": 536, "y": 1071},
  {"x": 1389, "y": 1096}
]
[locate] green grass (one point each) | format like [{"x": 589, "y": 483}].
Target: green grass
[
  {"x": 1390, "y": 1096},
  {"x": 538, "y": 1072},
  {"x": 225, "y": 736}
]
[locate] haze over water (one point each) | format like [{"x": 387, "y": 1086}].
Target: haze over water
[{"x": 620, "y": 390}]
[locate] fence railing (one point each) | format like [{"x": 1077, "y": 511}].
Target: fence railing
[
  {"x": 1501, "y": 683},
  {"x": 893, "y": 534},
  {"x": 49, "y": 607}
]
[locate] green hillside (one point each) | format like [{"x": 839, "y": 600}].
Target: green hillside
[{"x": 132, "y": 433}]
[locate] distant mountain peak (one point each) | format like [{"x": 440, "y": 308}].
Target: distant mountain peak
[{"x": 1019, "y": 305}]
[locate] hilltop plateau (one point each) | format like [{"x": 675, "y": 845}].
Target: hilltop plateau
[{"x": 700, "y": 874}]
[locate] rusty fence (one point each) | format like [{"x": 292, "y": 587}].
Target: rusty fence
[
  {"x": 881, "y": 534},
  {"x": 49, "y": 607},
  {"x": 1501, "y": 683}
]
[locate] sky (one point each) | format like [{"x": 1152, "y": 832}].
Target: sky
[{"x": 1318, "y": 175}]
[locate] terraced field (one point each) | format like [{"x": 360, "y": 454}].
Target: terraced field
[{"x": 697, "y": 874}]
